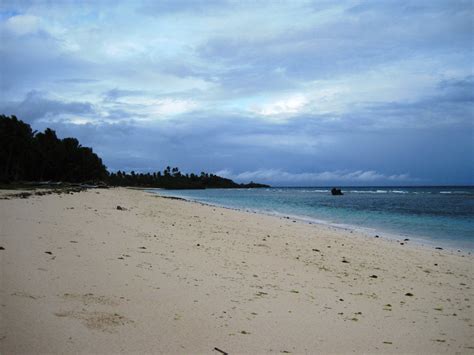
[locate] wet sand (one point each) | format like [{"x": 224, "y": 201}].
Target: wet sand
[{"x": 170, "y": 276}]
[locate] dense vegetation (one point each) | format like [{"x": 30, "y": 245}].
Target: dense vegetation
[
  {"x": 26, "y": 155},
  {"x": 174, "y": 179}
]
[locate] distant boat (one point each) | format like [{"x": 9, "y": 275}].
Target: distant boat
[{"x": 336, "y": 192}]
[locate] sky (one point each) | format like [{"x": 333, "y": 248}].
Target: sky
[{"x": 291, "y": 93}]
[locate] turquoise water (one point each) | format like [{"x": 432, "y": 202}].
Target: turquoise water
[{"x": 435, "y": 215}]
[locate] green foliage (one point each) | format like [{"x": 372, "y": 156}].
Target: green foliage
[
  {"x": 174, "y": 179},
  {"x": 30, "y": 156}
]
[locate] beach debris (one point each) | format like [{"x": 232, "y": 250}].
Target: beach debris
[
  {"x": 73, "y": 241},
  {"x": 2, "y": 248},
  {"x": 141, "y": 247},
  {"x": 48, "y": 252},
  {"x": 388, "y": 342},
  {"x": 402, "y": 243},
  {"x": 244, "y": 332},
  {"x": 341, "y": 299},
  {"x": 120, "y": 208},
  {"x": 373, "y": 276},
  {"x": 316, "y": 250},
  {"x": 409, "y": 294},
  {"x": 439, "y": 248},
  {"x": 376, "y": 236},
  {"x": 406, "y": 239},
  {"x": 221, "y": 351},
  {"x": 198, "y": 245},
  {"x": 344, "y": 260}
]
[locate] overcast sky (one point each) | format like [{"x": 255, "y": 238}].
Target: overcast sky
[{"x": 284, "y": 92}]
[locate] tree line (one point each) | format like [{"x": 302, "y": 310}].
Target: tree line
[
  {"x": 174, "y": 179},
  {"x": 27, "y": 155}
]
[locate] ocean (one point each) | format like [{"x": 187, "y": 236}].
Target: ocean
[{"x": 441, "y": 216}]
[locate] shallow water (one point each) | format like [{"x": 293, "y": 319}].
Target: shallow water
[{"x": 443, "y": 215}]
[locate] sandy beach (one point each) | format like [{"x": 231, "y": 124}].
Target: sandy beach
[{"x": 162, "y": 275}]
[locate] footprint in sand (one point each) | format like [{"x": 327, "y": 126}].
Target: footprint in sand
[
  {"x": 103, "y": 321},
  {"x": 98, "y": 320}
]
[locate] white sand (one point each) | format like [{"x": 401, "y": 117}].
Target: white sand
[{"x": 177, "y": 277}]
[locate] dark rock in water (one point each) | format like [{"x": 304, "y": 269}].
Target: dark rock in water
[
  {"x": 377, "y": 236},
  {"x": 438, "y": 248},
  {"x": 406, "y": 240},
  {"x": 336, "y": 192}
]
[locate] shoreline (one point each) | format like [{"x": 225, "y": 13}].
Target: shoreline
[
  {"x": 369, "y": 232},
  {"x": 80, "y": 274}
]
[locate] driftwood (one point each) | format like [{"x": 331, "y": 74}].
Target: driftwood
[{"x": 221, "y": 351}]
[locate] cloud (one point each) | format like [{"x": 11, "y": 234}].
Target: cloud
[
  {"x": 23, "y": 24},
  {"x": 164, "y": 7},
  {"x": 326, "y": 177},
  {"x": 114, "y": 94},
  {"x": 36, "y": 106},
  {"x": 169, "y": 106},
  {"x": 457, "y": 89},
  {"x": 288, "y": 106}
]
